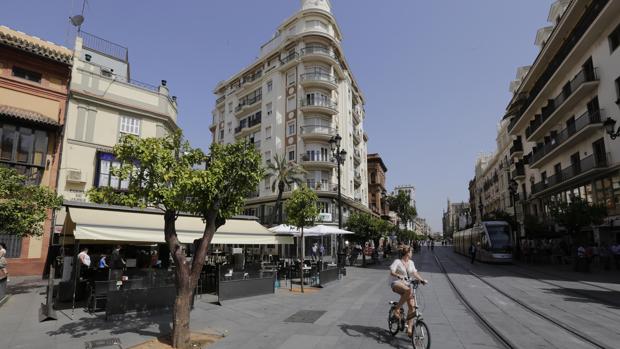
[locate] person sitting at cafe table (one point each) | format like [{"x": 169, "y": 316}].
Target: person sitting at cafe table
[{"x": 102, "y": 262}]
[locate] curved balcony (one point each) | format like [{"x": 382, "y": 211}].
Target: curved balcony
[
  {"x": 319, "y": 105},
  {"x": 317, "y": 162},
  {"x": 584, "y": 169},
  {"x": 316, "y": 132},
  {"x": 319, "y": 53},
  {"x": 322, "y": 185},
  {"x": 321, "y": 80}
]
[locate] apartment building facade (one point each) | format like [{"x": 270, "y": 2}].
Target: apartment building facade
[
  {"x": 34, "y": 80},
  {"x": 409, "y": 190},
  {"x": 377, "y": 193},
  {"x": 105, "y": 104},
  {"x": 457, "y": 216},
  {"x": 560, "y": 149},
  {"x": 290, "y": 102}
]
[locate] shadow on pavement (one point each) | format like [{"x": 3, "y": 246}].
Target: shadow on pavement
[
  {"x": 381, "y": 335},
  {"x": 140, "y": 325},
  {"x": 607, "y": 298}
]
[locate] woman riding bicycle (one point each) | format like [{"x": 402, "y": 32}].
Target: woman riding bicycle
[{"x": 401, "y": 269}]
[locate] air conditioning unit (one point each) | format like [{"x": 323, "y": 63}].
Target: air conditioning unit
[{"x": 75, "y": 176}]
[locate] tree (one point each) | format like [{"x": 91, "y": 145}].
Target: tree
[
  {"x": 401, "y": 204},
  {"x": 167, "y": 174},
  {"x": 302, "y": 211},
  {"x": 283, "y": 174},
  {"x": 366, "y": 228},
  {"x": 23, "y": 207},
  {"x": 576, "y": 214}
]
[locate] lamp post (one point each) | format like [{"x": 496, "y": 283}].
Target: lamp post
[
  {"x": 340, "y": 156},
  {"x": 610, "y": 126},
  {"x": 513, "y": 187}
]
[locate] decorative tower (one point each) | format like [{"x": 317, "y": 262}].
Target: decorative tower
[{"x": 324, "y": 5}]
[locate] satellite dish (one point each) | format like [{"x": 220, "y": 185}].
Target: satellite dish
[{"x": 77, "y": 20}]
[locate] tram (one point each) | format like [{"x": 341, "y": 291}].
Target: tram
[{"x": 493, "y": 239}]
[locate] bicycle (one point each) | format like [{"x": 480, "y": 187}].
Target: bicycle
[{"x": 421, "y": 338}]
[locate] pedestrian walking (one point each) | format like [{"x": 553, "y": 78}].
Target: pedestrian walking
[
  {"x": 321, "y": 252},
  {"x": 472, "y": 252},
  {"x": 103, "y": 263},
  {"x": 315, "y": 249},
  {"x": 4, "y": 273}
]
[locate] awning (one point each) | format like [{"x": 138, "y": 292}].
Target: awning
[{"x": 129, "y": 226}]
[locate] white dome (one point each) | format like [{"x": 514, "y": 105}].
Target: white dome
[{"x": 316, "y": 4}]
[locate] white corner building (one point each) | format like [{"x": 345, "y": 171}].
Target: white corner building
[{"x": 290, "y": 102}]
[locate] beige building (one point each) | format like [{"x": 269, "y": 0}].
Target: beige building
[
  {"x": 560, "y": 147},
  {"x": 290, "y": 102},
  {"x": 106, "y": 103},
  {"x": 34, "y": 80}
]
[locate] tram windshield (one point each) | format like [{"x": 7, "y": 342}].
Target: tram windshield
[{"x": 500, "y": 237}]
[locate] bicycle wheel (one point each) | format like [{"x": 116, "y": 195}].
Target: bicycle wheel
[
  {"x": 421, "y": 338},
  {"x": 393, "y": 322}
]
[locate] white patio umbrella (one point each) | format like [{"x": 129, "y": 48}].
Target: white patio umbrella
[
  {"x": 284, "y": 229},
  {"x": 319, "y": 230}
]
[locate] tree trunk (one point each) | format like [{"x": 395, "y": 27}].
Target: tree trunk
[
  {"x": 277, "y": 207},
  {"x": 301, "y": 265}
]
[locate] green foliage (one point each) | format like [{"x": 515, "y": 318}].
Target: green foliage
[
  {"x": 577, "y": 214},
  {"x": 301, "y": 207},
  {"x": 400, "y": 203},
  {"x": 367, "y": 227},
  {"x": 283, "y": 174},
  {"x": 23, "y": 208},
  {"x": 167, "y": 173},
  {"x": 534, "y": 227}
]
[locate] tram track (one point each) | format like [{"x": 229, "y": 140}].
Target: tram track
[
  {"x": 499, "y": 337},
  {"x": 567, "y": 328}
]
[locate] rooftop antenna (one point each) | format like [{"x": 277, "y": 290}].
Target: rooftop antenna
[{"x": 77, "y": 20}]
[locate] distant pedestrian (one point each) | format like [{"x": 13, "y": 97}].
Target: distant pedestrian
[
  {"x": 321, "y": 251},
  {"x": 315, "y": 249},
  {"x": 84, "y": 258},
  {"x": 4, "y": 273},
  {"x": 472, "y": 252}
]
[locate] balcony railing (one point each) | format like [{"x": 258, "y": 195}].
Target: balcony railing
[
  {"x": 251, "y": 123},
  {"x": 519, "y": 171},
  {"x": 516, "y": 147},
  {"x": 314, "y": 50},
  {"x": 589, "y": 15},
  {"x": 253, "y": 77},
  {"x": 586, "y": 164},
  {"x": 318, "y": 102},
  {"x": 220, "y": 100},
  {"x": 289, "y": 58},
  {"x": 317, "y": 129},
  {"x": 585, "y": 120},
  {"x": 317, "y": 158},
  {"x": 248, "y": 102},
  {"x": 585, "y": 75},
  {"x": 318, "y": 77},
  {"x": 103, "y": 46},
  {"x": 322, "y": 185}
]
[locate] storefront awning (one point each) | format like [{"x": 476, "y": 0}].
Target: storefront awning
[{"x": 140, "y": 227}]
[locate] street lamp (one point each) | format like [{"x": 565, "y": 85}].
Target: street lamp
[
  {"x": 340, "y": 156},
  {"x": 513, "y": 187},
  {"x": 610, "y": 126}
]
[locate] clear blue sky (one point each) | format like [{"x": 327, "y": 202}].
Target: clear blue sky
[{"x": 435, "y": 73}]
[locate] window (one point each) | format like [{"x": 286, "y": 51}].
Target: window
[
  {"x": 267, "y": 132},
  {"x": 221, "y": 134},
  {"x": 23, "y": 149},
  {"x": 291, "y": 155},
  {"x": 229, "y": 126},
  {"x": 269, "y": 108},
  {"x": 27, "y": 74},
  {"x": 269, "y": 86},
  {"x": 323, "y": 206},
  {"x": 105, "y": 178},
  {"x": 290, "y": 104},
  {"x": 230, "y": 109},
  {"x": 130, "y": 125},
  {"x": 290, "y": 128},
  {"x": 618, "y": 90},
  {"x": 291, "y": 77},
  {"x": 614, "y": 39},
  {"x": 268, "y": 157}
]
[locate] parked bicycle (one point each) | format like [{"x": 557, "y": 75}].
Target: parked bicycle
[{"x": 421, "y": 338}]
